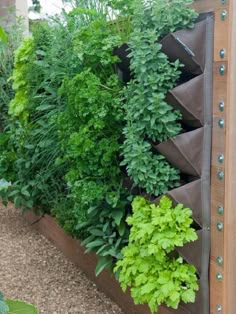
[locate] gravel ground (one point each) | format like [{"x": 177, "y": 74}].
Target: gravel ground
[{"x": 33, "y": 270}]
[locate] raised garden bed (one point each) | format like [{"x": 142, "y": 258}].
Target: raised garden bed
[{"x": 73, "y": 251}]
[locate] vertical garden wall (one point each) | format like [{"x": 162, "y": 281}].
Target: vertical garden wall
[{"x": 108, "y": 128}]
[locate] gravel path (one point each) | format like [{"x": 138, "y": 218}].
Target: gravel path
[{"x": 33, "y": 270}]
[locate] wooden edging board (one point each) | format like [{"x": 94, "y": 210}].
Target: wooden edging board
[{"x": 74, "y": 252}]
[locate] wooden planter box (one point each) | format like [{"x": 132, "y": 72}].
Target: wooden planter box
[{"x": 74, "y": 252}]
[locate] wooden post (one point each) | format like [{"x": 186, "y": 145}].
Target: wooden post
[
  {"x": 223, "y": 169},
  {"x": 229, "y": 279}
]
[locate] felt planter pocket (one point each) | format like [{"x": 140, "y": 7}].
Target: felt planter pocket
[
  {"x": 188, "y": 98},
  {"x": 184, "y": 151},
  {"x": 124, "y": 65},
  {"x": 188, "y": 46},
  {"x": 190, "y": 252},
  {"x": 190, "y": 196}
]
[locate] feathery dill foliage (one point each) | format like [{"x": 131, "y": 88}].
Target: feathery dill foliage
[{"x": 148, "y": 115}]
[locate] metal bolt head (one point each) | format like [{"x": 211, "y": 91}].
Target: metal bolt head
[
  {"x": 221, "y": 158},
  {"x": 219, "y": 276},
  {"x": 220, "y": 210},
  {"x": 222, "y": 69},
  {"x": 220, "y": 226},
  {"x": 220, "y": 260},
  {"x": 221, "y": 106},
  {"x": 220, "y": 175},
  {"x": 222, "y": 53},
  {"x": 221, "y": 123},
  {"x": 219, "y": 309},
  {"x": 223, "y": 15}
]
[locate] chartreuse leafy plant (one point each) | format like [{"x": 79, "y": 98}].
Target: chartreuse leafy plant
[
  {"x": 148, "y": 115},
  {"x": 149, "y": 267},
  {"x": 15, "y": 307}
]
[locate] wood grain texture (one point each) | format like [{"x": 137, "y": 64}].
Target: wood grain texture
[
  {"x": 207, "y": 5},
  {"x": 229, "y": 300},
  {"x": 220, "y": 85}
]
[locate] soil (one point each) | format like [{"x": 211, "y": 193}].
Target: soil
[{"x": 33, "y": 270}]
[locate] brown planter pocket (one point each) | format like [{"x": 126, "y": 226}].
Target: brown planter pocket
[
  {"x": 184, "y": 151},
  {"x": 188, "y": 46},
  {"x": 190, "y": 196},
  {"x": 188, "y": 98},
  {"x": 191, "y": 252},
  {"x": 124, "y": 64}
]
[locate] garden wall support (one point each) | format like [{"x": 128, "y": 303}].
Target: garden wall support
[{"x": 223, "y": 170}]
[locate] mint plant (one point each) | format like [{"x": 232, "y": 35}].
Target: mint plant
[
  {"x": 148, "y": 115},
  {"x": 149, "y": 267}
]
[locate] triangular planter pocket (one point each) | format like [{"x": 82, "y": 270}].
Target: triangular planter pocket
[
  {"x": 190, "y": 196},
  {"x": 191, "y": 252},
  {"x": 189, "y": 99},
  {"x": 184, "y": 151},
  {"x": 124, "y": 64},
  {"x": 188, "y": 46}
]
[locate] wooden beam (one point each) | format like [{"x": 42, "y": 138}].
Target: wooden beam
[
  {"x": 207, "y": 5},
  {"x": 229, "y": 279}
]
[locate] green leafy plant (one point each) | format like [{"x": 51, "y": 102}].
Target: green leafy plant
[
  {"x": 155, "y": 274},
  {"x": 16, "y": 306},
  {"x": 148, "y": 115}
]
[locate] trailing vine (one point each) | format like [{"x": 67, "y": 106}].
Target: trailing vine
[
  {"x": 154, "y": 274},
  {"x": 148, "y": 115}
]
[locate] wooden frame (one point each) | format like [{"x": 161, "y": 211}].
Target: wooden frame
[{"x": 223, "y": 244}]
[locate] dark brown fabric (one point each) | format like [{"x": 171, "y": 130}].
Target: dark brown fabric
[
  {"x": 184, "y": 151},
  {"x": 190, "y": 196},
  {"x": 191, "y": 252},
  {"x": 188, "y": 98},
  {"x": 188, "y": 46},
  {"x": 124, "y": 64}
]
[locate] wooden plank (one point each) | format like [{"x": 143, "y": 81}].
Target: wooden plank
[
  {"x": 220, "y": 84},
  {"x": 207, "y": 5},
  {"x": 221, "y": 38},
  {"x": 229, "y": 300}
]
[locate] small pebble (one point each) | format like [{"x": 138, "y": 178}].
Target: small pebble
[{"x": 33, "y": 270}]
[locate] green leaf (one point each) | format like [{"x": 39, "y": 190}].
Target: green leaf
[
  {"x": 20, "y": 307},
  {"x": 103, "y": 263},
  {"x": 3, "y": 35}
]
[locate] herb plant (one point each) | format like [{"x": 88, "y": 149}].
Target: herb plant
[
  {"x": 149, "y": 267},
  {"x": 148, "y": 115}
]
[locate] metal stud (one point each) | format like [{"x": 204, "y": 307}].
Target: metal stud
[
  {"x": 223, "y": 15},
  {"x": 220, "y": 226},
  {"x": 220, "y": 210},
  {"x": 222, "y": 53},
  {"x": 221, "y": 158},
  {"x": 221, "y": 123},
  {"x": 221, "y": 106},
  {"x": 223, "y": 1},
  {"x": 219, "y": 276},
  {"x": 222, "y": 69},
  {"x": 220, "y": 260},
  {"x": 220, "y": 175},
  {"x": 219, "y": 309}
]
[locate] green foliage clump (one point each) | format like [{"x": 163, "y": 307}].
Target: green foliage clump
[
  {"x": 148, "y": 266},
  {"x": 90, "y": 132},
  {"x": 148, "y": 115}
]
